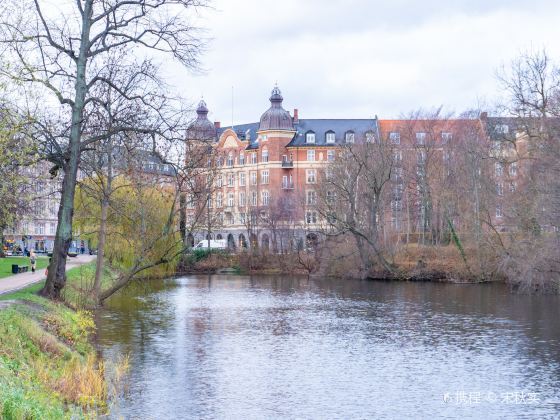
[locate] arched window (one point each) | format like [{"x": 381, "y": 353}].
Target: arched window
[
  {"x": 310, "y": 137},
  {"x": 265, "y": 155},
  {"x": 330, "y": 137},
  {"x": 349, "y": 137}
]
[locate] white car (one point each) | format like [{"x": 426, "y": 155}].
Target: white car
[{"x": 214, "y": 244}]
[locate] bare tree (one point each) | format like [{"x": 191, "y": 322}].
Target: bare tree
[{"x": 66, "y": 56}]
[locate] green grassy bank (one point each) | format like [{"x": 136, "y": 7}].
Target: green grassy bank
[{"x": 48, "y": 366}]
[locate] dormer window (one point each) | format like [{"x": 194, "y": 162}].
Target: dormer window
[
  {"x": 310, "y": 137},
  {"x": 349, "y": 137},
  {"x": 369, "y": 137},
  {"x": 502, "y": 128},
  {"x": 330, "y": 137}
]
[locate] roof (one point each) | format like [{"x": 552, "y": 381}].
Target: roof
[{"x": 339, "y": 126}]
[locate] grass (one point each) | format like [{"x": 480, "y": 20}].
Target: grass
[
  {"x": 48, "y": 366},
  {"x": 6, "y": 264}
]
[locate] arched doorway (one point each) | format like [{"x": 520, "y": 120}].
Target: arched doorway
[
  {"x": 254, "y": 241},
  {"x": 219, "y": 236},
  {"x": 209, "y": 236},
  {"x": 265, "y": 242},
  {"x": 190, "y": 240},
  {"x": 242, "y": 241},
  {"x": 230, "y": 242}
]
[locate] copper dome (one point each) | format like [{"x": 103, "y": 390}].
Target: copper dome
[
  {"x": 276, "y": 117},
  {"x": 202, "y": 128}
]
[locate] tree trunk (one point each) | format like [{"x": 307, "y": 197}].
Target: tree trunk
[{"x": 56, "y": 279}]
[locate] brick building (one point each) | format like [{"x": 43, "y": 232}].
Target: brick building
[{"x": 265, "y": 188}]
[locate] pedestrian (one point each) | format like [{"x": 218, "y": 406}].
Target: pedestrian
[
  {"x": 33, "y": 260},
  {"x": 82, "y": 248}
]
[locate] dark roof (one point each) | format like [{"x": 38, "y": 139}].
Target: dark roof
[
  {"x": 276, "y": 117},
  {"x": 339, "y": 126},
  {"x": 319, "y": 126}
]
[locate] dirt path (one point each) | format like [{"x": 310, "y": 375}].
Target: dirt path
[{"x": 19, "y": 281}]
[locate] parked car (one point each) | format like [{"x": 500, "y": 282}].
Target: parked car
[{"x": 214, "y": 244}]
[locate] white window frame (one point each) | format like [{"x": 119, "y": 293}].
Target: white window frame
[
  {"x": 264, "y": 156},
  {"x": 330, "y": 137},
  {"x": 349, "y": 137},
  {"x": 265, "y": 177},
  {"x": 253, "y": 177},
  {"x": 265, "y": 198},
  {"x": 421, "y": 138},
  {"x": 330, "y": 155},
  {"x": 311, "y": 176},
  {"x": 241, "y": 179},
  {"x": 395, "y": 137},
  {"x": 311, "y": 155},
  {"x": 310, "y": 137}
]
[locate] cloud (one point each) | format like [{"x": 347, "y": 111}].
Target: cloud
[{"x": 358, "y": 58}]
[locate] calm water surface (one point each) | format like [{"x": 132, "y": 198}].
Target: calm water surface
[{"x": 230, "y": 347}]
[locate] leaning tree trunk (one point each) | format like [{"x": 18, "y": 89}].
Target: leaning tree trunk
[{"x": 56, "y": 279}]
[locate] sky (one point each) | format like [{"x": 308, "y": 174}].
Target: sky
[{"x": 360, "y": 58}]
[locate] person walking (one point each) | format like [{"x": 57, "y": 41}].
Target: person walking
[{"x": 33, "y": 260}]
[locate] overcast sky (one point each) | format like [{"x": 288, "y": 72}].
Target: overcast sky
[{"x": 359, "y": 58}]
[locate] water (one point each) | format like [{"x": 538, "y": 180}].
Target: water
[{"x": 230, "y": 347}]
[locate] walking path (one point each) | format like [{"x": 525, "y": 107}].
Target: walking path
[{"x": 19, "y": 281}]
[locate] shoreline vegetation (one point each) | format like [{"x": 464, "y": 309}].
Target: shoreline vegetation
[
  {"x": 411, "y": 263},
  {"x": 49, "y": 367}
]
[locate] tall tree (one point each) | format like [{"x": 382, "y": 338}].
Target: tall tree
[{"x": 66, "y": 55}]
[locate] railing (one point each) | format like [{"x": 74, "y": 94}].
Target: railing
[{"x": 287, "y": 164}]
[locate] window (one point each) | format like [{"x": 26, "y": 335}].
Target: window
[
  {"x": 265, "y": 196},
  {"x": 311, "y": 155},
  {"x": 241, "y": 179},
  {"x": 253, "y": 178},
  {"x": 311, "y": 217},
  {"x": 264, "y": 177},
  {"x": 502, "y": 128},
  {"x": 311, "y": 176},
  {"x": 242, "y": 199},
  {"x": 287, "y": 182},
  {"x": 52, "y": 228},
  {"x": 253, "y": 158},
  {"x": 512, "y": 186},
  {"x": 265, "y": 155},
  {"x": 209, "y": 201},
  {"x": 499, "y": 213},
  {"x": 331, "y": 197},
  {"x": 395, "y": 137},
  {"x": 328, "y": 175},
  {"x": 349, "y": 137},
  {"x": 230, "y": 199},
  {"x": 330, "y": 137},
  {"x": 40, "y": 229},
  {"x": 397, "y": 155},
  {"x": 513, "y": 169},
  {"x": 421, "y": 139},
  {"x": 231, "y": 180},
  {"x": 330, "y": 155},
  {"x": 311, "y": 198},
  {"x": 219, "y": 200},
  {"x": 241, "y": 159},
  {"x": 446, "y": 137},
  {"x": 310, "y": 137},
  {"x": 499, "y": 169},
  {"x": 369, "y": 137},
  {"x": 220, "y": 181},
  {"x": 500, "y": 189},
  {"x": 230, "y": 159},
  {"x": 421, "y": 157},
  {"x": 230, "y": 219},
  {"x": 253, "y": 198},
  {"x": 242, "y": 218}
]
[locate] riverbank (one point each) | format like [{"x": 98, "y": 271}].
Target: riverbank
[
  {"x": 48, "y": 365},
  {"x": 409, "y": 263}
]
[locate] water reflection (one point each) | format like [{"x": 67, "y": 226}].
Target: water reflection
[{"x": 271, "y": 347}]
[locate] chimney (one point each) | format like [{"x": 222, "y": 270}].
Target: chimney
[
  {"x": 296, "y": 116},
  {"x": 484, "y": 115},
  {"x": 217, "y": 124}
]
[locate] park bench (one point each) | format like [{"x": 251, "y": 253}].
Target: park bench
[{"x": 16, "y": 268}]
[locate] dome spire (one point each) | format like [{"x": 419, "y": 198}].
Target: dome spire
[
  {"x": 276, "y": 117},
  {"x": 202, "y": 109}
]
